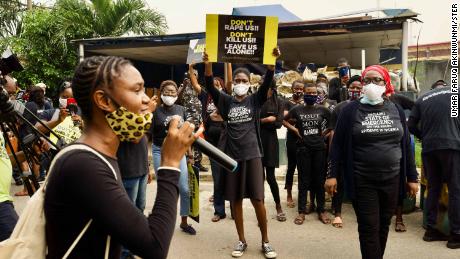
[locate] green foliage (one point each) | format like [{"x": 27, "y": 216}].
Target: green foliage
[
  {"x": 44, "y": 42},
  {"x": 44, "y": 49},
  {"x": 112, "y": 17},
  {"x": 10, "y": 18}
]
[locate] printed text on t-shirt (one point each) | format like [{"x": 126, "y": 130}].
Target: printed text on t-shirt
[
  {"x": 310, "y": 123},
  {"x": 378, "y": 122},
  {"x": 239, "y": 114}
]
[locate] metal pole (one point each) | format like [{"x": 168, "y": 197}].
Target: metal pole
[
  {"x": 81, "y": 53},
  {"x": 405, "y": 50},
  {"x": 363, "y": 59}
]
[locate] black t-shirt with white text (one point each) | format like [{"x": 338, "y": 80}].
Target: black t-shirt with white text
[
  {"x": 160, "y": 121},
  {"x": 377, "y": 134},
  {"x": 311, "y": 121},
  {"x": 242, "y": 141}
]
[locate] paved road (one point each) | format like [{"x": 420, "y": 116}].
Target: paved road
[{"x": 310, "y": 240}]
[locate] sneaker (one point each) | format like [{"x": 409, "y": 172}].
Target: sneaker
[
  {"x": 268, "y": 251},
  {"x": 239, "y": 249},
  {"x": 432, "y": 234},
  {"x": 454, "y": 241}
]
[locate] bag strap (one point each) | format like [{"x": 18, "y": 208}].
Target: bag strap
[
  {"x": 77, "y": 147},
  {"x": 83, "y": 231}
]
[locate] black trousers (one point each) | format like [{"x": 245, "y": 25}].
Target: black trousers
[
  {"x": 291, "y": 150},
  {"x": 374, "y": 203},
  {"x": 443, "y": 166},
  {"x": 312, "y": 173},
  {"x": 271, "y": 180}
]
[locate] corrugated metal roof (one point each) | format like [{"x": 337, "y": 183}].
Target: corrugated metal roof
[{"x": 278, "y": 10}]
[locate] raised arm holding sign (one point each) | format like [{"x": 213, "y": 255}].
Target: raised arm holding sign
[{"x": 241, "y": 39}]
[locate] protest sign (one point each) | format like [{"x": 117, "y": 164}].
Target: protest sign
[
  {"x": 195, "y": 51},
  {"x": 67, "y": 131},
  {"x": 194, "y": 189},
  {"x": 241, "y": 39}
]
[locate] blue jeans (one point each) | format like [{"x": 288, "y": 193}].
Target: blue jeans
[
  {"x": 183, "y": 180},
  {"x": 8, "y": 219},
  {"x": 136, "y": 188},
  {"x": 217, "y": 177}
]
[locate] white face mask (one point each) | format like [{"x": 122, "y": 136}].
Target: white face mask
[
  {"x": 241, "y": 89},
  {"x": 168, "y": 100},
  {"x": 374, "y": 92},
  {"x": 62, "y": 103}
]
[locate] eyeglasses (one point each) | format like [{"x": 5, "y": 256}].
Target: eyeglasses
[{"x": 375, "y": 80}]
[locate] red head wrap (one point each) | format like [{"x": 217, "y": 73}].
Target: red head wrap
[{"x": 386, "y": 76}]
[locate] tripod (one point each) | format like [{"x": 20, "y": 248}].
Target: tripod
[{"x": 12, "y": 112}]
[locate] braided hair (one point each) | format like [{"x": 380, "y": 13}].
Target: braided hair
[{"x": 93, "y": 73}]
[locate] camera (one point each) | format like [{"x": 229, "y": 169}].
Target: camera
[{"x": 9, "y": 62}]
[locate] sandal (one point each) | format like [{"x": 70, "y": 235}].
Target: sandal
[
  {"x": 281, "y": 217},
  {"x": 217, "y": 218},
  {"x": 324, "y": 218},
  {"x": 22, "y": 193},
  {"x": 188, "y": 229},
  {"x": 337, "y": 223},
  {"x": 400, "y": 227},
  {"x": 291, "y": 204},
  {"x": 299, "y": 219}
]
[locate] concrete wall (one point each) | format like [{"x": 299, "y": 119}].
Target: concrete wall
[{"x": 429, "y": 71}]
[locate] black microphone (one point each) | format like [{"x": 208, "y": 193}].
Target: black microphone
[{"x": 216, "y": 154}]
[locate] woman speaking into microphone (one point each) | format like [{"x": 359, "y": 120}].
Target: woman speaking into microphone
[
  {"x": 243, "y": 144},
  {"x": 84, "y": 194},
  {"x": 371, "y": 146}
]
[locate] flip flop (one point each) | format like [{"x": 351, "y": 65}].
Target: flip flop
[
  {"x": 22, "y": 193},
  {"x": 337, "y": 223},
  {"x": 281, "y": 217},
  {"x": 400, "y": 227},
  {"x": 291, "y": 204},
  {"x": 299, "y": 220}
]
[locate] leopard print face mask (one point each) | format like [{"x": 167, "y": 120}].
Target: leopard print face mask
[{"x": 129, "y": 126}]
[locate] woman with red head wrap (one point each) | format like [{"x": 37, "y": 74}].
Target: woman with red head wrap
[{"x": 372, "y": 151}]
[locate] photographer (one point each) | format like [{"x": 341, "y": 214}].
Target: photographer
[{"x": 82, "y": 186}]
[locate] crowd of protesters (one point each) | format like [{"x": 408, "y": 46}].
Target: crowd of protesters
[{"x": 346, "y": 137}]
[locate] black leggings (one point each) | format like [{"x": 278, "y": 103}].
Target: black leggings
[
  {"x": 337, "y": 199},
  {"x": 271, "y": 180},
  {"x": 291, "y": 150}
]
